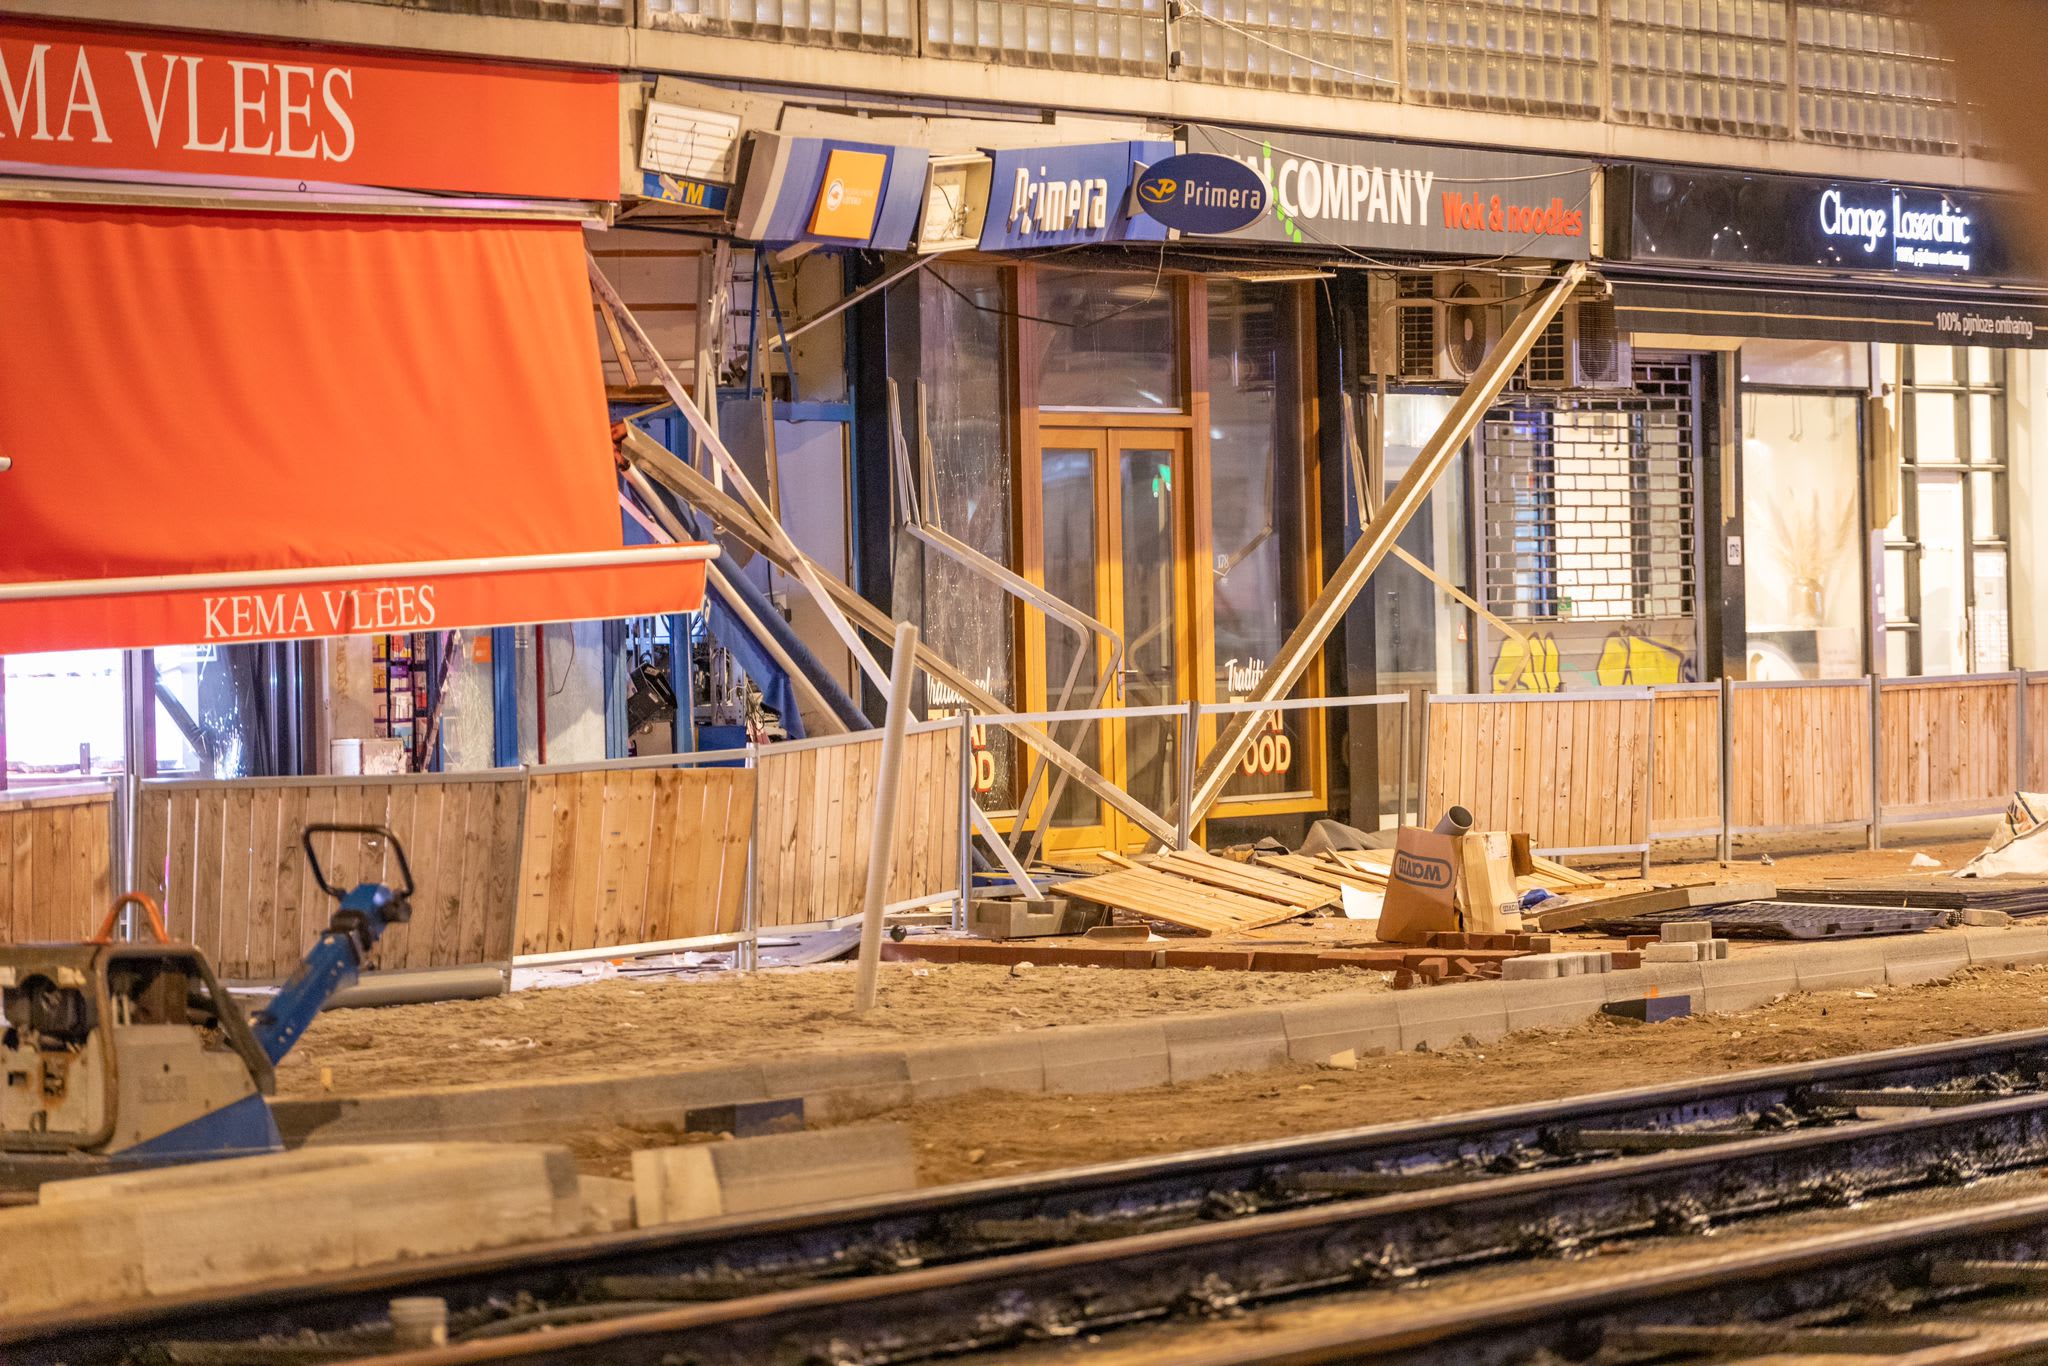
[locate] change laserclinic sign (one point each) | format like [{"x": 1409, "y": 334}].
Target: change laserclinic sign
[
  {"x": 208, "y": 109},
  {"x": 1391, "y": 196}
]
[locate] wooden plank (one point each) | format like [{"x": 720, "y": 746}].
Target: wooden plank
[
  {"x": 205, "y": 893},
  {"x": 531, "y": 931},
  {"x": 663, "y": 813},
  {"x": 501, "y": 880},
  {"x": 1204, "y": 910},
  {"x": 625, "y": 815},
  {"x": 265, "y": 804},
  {"x": 701, "y": 855},
  {"x": 1245, "y": 879},
  {"x": 736, "y": 792},
  {"x": 286, "y": 874},
  {"x": 588, "y": 792}
]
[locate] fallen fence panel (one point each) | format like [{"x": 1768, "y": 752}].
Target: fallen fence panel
[{"x": 816, "y": 800}]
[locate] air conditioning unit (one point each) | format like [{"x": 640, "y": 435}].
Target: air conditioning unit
[
  {"x": 1431, "y": 328},
  {"x": 1582, "y": 348}
]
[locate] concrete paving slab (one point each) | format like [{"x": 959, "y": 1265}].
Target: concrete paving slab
[
  {"x": 217, "y": 1224},
  {"x": 1359, "y": 1023},
  {"x": 1443, "y": 1017},
  {"x": 1111, "y": 1057},
  {"x": 1229, "y": 1041},
  {"x": 776, "y": 1171}
]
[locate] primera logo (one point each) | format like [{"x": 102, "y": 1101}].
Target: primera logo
[
  {"x": 1161, "y": 191},
  {"x": 1422, "y": 872}
]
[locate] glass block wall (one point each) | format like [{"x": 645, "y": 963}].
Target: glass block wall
[
  {"x": 1344, "y": 47},
  {"x": 1524, "y": 56},
  {"x": 1111, "y": 37},
  {"x": 866, "y": 25},
  {"x": 1853, "y": 73},
  {"x": 1874, "y": 80},
  {"x": 1703, "y": 65}
]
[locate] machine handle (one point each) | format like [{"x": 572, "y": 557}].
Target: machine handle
[
  {"x": 149, "y": 908},
  {"x": 378, "y": 831}
]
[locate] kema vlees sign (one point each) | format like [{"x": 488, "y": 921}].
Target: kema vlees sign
[
  {"x": 1203, "y": 194},
  {"x": 1390, "y": 196},
  {"x": 205, "y": 108}
]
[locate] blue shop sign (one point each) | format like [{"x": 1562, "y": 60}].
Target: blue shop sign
[
  {"x": 1201, "y": 192},
  {"x": 830, "y": 191},
  {"x": 1069, "y": 196}
]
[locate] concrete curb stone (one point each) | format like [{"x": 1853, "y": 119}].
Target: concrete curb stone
[
  {"x": 1840, "y": 967},
  {"x": 1744, "y": 983},
  {"x": 1224, "y": 1041},
  {"x": 1111, "y": 1057},
  {"x": 840, "y": 1086},
  {"x": 1443, "y": 1017},
  {"x": 1363, "y": 1022},
  {"x": 1005, "y": 1062},
  {"x": 2006, "y": 948},
  {"x": 1911, "y": 961},
  {"x": 1553, "y": 1002}
]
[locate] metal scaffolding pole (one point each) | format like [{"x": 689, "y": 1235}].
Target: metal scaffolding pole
[{"x": 1376, "y": 539}]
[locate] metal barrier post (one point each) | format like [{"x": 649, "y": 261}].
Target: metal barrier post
[
  {"x": 750, "y": 903},
  {"x": 966, "y": 816},
  {"x": 1727, "y": 767},
  {"x": 1190, "y": 731},
  {"x": 2019, "y": 730},
  {"x": 1876, "y": 762},
  {"x": 1401, "y": 791}
]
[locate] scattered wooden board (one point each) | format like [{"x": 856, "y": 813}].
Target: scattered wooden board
[
  {"x": 1626, "y": 904},
  {"x": 1328, "y": 874},
  {"x": 1553, "y": 874},
  {"x": 1244, "y": 878},
  {"x": 1177, "y": 901}
]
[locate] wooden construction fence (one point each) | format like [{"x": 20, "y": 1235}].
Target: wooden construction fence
[
  {"x": 56, "y": 863},
  {"x": 1950, "y": 745},
  {"x": 1685, "y": 773},
  {"x": 1801, "y": 755},
  {"x": 1570, "y": 769},
  {"x": 2036, "y": 732},
  {"x": 811, "y": 856},
  {"x": 224, "y": 859},
  {"x": 617, "y": 856}
]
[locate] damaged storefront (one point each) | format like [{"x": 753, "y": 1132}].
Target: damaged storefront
[
  {"x": 278, "y": 286},
  {"x": 1875, "y": 351}
]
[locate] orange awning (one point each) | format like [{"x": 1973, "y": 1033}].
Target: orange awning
[{"x": 228, "y": 426}]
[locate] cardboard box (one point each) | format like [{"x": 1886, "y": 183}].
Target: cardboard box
[
  {"x": 1486, "y": 883},
  {"x": 1422, "y": 887},
  {"x": 1443, "y": 883}
]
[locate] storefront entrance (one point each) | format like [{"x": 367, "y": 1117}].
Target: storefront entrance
[{"x": 1114, "y": 508}]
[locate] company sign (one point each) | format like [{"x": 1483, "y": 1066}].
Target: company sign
[
  {"x": 1068, "y": 196},
  {"x": 1688, "y": 216},
  {"x": 205, "y": 108},
  {"x": 1390, "y": 196},
  {"x": 1204, "y": 194}
]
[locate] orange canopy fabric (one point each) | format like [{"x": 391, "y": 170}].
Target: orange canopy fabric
[{"x": 248, "y": 397}]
